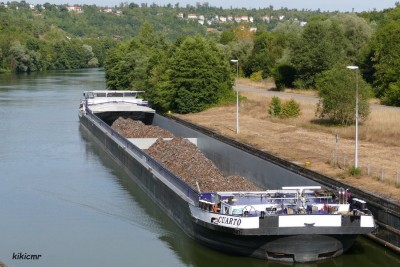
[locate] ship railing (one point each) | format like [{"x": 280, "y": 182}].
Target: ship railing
[{"x": 155, "y": 165}]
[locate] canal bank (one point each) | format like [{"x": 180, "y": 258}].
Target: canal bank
[{"x": 386, "y": 212}]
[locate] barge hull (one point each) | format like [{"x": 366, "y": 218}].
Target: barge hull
[{"x": 174, "y": 197}]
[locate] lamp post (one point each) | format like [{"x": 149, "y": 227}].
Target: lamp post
[
  {"x": 237, "y": 94},
  {"x": 356, "y": 148}
]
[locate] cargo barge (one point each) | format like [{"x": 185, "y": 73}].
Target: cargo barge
[{"x": 301, "y": 223}]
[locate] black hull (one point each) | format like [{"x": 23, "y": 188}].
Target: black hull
[
  {"x": 292, "y": 248},
  {"x": 173, "y": 197}
]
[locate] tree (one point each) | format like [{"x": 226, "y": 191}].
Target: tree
[
  {"x": 319, "y": 48},
  {"x": 136, "y": 64},
  {"x": 337, "y": 91},
  {"x": 384, "y": 54},
  {"x": 284, "y": 75},
  {"x": 23, "y": 60},
  {"x": 268, "y": 48},
  {"x": 357, "y": 33},
  {"x": 197, "y": 77},
  {"x": 120, "y": 65},
  {"x": 226, "y": 37}
]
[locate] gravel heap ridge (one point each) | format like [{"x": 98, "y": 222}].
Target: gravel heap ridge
[
  {"x": 136, "y": 129},
  {"x": 183, "y": 158}
]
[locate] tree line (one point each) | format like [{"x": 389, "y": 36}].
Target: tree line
[
  {"x": 296, "y": 56},
  {"x": 188, "y": 75}
]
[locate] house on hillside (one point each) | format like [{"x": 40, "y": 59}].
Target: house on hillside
[
  {"x": 75, "y": 8},
  {"x": 244, "y": 18},
  {"x": 266, "y": 18},
  {"x": 192, "y": 16}
]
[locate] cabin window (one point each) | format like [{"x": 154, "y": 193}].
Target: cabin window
[
  {"x": 101, "y": 94},
  {"x": 115, "y": 94},
  {"x": 130, "y": 94}
]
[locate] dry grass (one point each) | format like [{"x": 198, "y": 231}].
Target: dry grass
[
  {"x": 303, "y": 139},
  {"x": 265, "y": 84},
  {"x": 301, "y": 92},
  {"x": 381, "y": 126}
]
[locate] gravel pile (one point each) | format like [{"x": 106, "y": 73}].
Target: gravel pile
[
  {"x": 183, "y": 158},
  {"x": 136, "y": 129}
]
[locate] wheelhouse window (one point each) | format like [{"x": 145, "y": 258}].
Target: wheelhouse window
[
  {"x": 115, "y": 94},
  {"x": 130, "y": 94}
]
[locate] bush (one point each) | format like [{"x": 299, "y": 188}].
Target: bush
[
  {"x": 275, "y": 107},
  {"x": 284, "y": 76},
  {"x": 256, "y": 76},
  {"x": 290, "y": 109},
  {"x": 354, "y": 171},
  {"x": 392, "y": 95}
]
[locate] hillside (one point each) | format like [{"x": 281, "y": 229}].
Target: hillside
[{"x": 50, "y": 36}]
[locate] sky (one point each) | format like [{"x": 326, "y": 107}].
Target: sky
[{"x": 323, "y": 5}]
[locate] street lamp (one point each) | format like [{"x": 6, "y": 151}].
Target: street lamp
[
  {"x": 237, "y": 94},
  {"x": 356, "y": 148}
]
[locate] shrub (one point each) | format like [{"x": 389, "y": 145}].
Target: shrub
[
  {"x": 283, "y": 76},
  {"x": 287, "y": 110},
  {"x": 392, "y": 95},
  {"x": 256, "y": 76},
  {"x": 290, "y": 109},
  {"x": 354, "y": 171},
  {"x": 275, "y": 107}
]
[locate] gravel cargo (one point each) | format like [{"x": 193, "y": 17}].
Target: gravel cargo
[{"x": 183, "y": 158}]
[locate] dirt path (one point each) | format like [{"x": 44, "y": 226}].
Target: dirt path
[{"x": 308, "y": 147}]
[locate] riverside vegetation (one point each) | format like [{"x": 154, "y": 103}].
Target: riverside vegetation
[{"x": 45, "y": 37}]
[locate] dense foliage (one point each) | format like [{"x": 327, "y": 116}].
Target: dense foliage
[
  {"x": 338, "y": 90},
  {"x": 292, "y": 46},
  {"x": 30, "y": 41},
  {"x": 187, "y": 76},
  {"x": 51, "y": 37}
]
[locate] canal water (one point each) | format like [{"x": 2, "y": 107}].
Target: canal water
[{"x": 64, "y": 202}]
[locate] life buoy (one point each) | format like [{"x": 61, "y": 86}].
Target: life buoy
[{"x": 215, "y": 208}]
